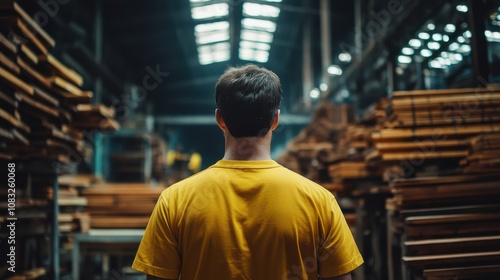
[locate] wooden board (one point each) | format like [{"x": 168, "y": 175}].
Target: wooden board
[
  {"x": 15, "y": 82},
  {"x": 61, "y": 69},
  {"x": 486, "y": 272}
]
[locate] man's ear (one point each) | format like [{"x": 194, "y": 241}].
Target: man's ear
[
  {"x": 276, "y": 120},
  {"x": 220, "y": 120}
]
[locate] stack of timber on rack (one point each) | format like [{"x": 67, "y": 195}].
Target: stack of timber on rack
[
  {"x": 310, "y": 151},
  {"x": 44, "y": 118},
  {"x": 136, "y": 158},
  {"x": 44, "y": 112},
  {"x": 73, "y": 216},
  {"x": 443, "y": 220},
  {"x": 121, "y": 205}
]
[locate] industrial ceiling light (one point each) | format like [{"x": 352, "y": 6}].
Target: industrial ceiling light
[
  {"x": 345, "y": 57},
  {"x": 314, "y": 93},
  {"x": 425, "y": 53},
  {"x": 464, "y": 49},
  {"x": 323, "y": 87},
  {"x": 424, "y": 35},
  {"x": 437, "y": 37},
  {"x": 415, "y": 43},
  {"x": 210, "y": 11},
  {"x": 460, "y": 39},
  {"x": 462, "y": 8},
  {"x": 431, "y": 26},
  {"x": 407, "y": 51},
  {"x": 258, "y": 24},
  {"x": 259, "y": 10},
  {"x": 446, "y": 38},
  {"x": 433, "y": 45},
  {"x": 435, "y": 64},
  {"x": 467, "y": 34},
  {"x": 454, "y": 46},
  {"x": 450, "y": 28},
  {"x": 334, "y": 70},
  {"x": 404, "y": 59},
  {"x": 214, "y": 47}
]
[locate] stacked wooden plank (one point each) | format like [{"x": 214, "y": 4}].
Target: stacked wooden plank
[
  {"x": 43, "y": 110},
  {"x": 439, "y": 149},
  {"x": 121, "y": 205},
  {"x": 312, "y": 150},
  {"x": 73, "y": 216},
  {"x": 137, "y": 158}
]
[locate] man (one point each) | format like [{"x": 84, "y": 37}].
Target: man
[{"x": 247, "y": 217}]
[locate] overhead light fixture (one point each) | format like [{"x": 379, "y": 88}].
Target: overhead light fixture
[
  {"x": 425, "y": 53},
  {"x": 323, "y": 87},
  {"x": 433, "y": 45},
  {"x": 258, "y": 24},
  {"x": 462, "y": 8},
  {"x": 209, "y": 27},
  {"x": 314, "y": 93},
  {"x": 334, "y": 70},
  {"x": 437, "y": 37},
  {"x": 345, "y": 57},
  {"x": 446, "y": 38},
  {"x": 214, "y": 47},
  {"x": 436, "y": 64},
  {"x": 464, "y": 49},
  {"x": 424, "y": 35},
  {"x": 210, "y": 11},
  {"x": 431, "y": 26},
  {"x": 454, "y": 46},
  {"x": 467, "y": 34},
  {"x": 415, "y": 43},
  {"x": 259, "y": 10},
  {"x": 404, "y": 59},
  {"x": 407, "y": 51},
  {"x": 450, "y": 28},
  {"x": 460, "y": 39}
]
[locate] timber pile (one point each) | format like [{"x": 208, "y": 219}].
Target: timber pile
[
  {"x": 121, "y": 205},
  {"x": 137, "y": 158},
  {"x": 312, "y": 150},
  {"x": 73, "y": 216},
  {"x": 43, "y": 110},
  {"x": 440, "y": 151}
]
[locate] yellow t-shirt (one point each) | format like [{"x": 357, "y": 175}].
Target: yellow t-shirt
[{"x": 247, "y": 220}]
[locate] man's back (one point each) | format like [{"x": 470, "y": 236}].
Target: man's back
[{"x": 247, "y": 220}]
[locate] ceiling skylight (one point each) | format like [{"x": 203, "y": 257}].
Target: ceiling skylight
[
  {"x": 259, "y": 10},
  {"x": 258, "y": 24},
  {"x": 210, "y": 11},
  {"x": 257, "y": 36}
]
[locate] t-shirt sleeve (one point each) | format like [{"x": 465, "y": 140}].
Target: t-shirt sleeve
[
  {"x": 338, "y": 253},
  {"x": 158, "y": 253}
]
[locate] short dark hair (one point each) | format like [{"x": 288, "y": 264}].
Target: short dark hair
[{"x": 248, "y": 99}]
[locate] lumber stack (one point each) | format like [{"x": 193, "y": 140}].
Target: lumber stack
[
  {"x": 137, "y": 158},
  {"x": 43, "y": 110},
  {"x": 73, "y": 216},
  {"x": 439, "y": 151},
  {"x": 121, "y": 205},
  {"x": 314, "y": 148}
]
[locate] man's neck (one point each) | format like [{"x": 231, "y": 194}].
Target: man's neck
[{"x": 248, "y": 148}]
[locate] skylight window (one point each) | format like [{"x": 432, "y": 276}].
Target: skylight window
[
  {"x": 258, "y": 36},
  {"x": 258, "y": 24},
  {"x": 208, "y": 27},
  {"x": 253, "y": 54},
  {"x": 207, "y": 38},
  {"x": 212, "y": 57},
  {"x": 259, "y": 10},
  {"x": 210, "y": 11},
  {"x": 255, "y": 45}
]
